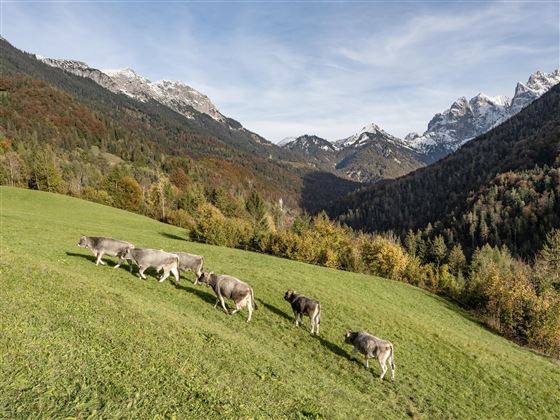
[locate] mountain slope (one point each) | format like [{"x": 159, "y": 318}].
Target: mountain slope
[
  {"x": 467, "y": 119},
  {"x": 88, "y": 91},
  {"x": 441, "y": 194},
  {"x": 312, "y": 148},
  {"x": 373, "y": 154},
  {"x": 175, "y": 94},
  {"x": 81, "y": 340},
  {"x": 40, "y": 103}
]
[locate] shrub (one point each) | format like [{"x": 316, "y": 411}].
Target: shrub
[
  {"x": 97, "y": 196},
  {"x": 384, "y": 256}
]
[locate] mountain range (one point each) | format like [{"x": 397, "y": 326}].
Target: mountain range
[
  {"x": 369, "y": 155},
  {"x": 176, "y": 110},
  {"x": 77, "y": 112},
  {"x": 176, "y": 95},
  {"x": 467, "y": 119},
  {"x": 501, "y": 188},
  {"x": 447, "y": 131}
]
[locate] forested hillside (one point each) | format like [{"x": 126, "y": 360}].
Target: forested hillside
[
  {"x": 64, "y": 133},
  {"x": 501, "y": 188}
]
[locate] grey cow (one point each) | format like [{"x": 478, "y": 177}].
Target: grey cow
[
  {"x": 371, "y": 346},
  {"x": 303, "y": 305},
  {"x": 190, "y": 262},
  {"x": 101, "y": 246},
  {"x": 156, "y": 258},
  {"x": 229, "y": 287}
]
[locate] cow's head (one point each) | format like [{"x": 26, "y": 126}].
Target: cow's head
[
  {"x": 348, "y": 337},
  {"x": 289, "y": 294},
  {"x": 83, "y": 242},
  {"x": 126, "y": 252},
  {"x": 204, "y": 278}
]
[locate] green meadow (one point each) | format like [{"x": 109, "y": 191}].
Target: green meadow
[{"x": 79, "y": 340}]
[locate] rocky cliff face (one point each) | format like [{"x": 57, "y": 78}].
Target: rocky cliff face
[{"x": 467, "y": 119}]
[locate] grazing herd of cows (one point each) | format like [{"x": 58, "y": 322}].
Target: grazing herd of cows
[{"x": 229, "y": 287}]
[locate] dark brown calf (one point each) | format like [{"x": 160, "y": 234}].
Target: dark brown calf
[{"x": 303, "y": 305}]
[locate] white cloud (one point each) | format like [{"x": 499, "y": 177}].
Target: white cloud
[{"x": 347, "y": 66}]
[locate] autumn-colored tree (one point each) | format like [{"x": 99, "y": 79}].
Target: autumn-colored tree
[
  {"x": 45, "y": 174},
  {"x": 127, "y": 194},
  {"x": 12, "y": 169},
  {"x": 457, "y": 260},
  {"x": 384, "y": 257},
  {"x": 548, "y": 262}
]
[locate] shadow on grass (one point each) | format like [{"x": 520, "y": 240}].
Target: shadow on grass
[
  {"x": 85, "y": 256},
  {"x": 335, "y": 348},
  {"x": 197, "y": 291},
  {"x": 275, "y": 310},
  {"x": 124, "y": 266},
  {"x": 172, "y": 236}
]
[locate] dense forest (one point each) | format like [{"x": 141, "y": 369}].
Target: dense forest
[{"x": 500, "y": 189}]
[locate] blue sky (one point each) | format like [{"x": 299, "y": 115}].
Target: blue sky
[{"x": 294, "y": 67}]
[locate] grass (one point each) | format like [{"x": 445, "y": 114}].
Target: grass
[{"x": 78, "y": 340}]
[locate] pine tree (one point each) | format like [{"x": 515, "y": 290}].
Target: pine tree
[
  {"x": 438, "y": 249},
  {"x": 456, "y": 260}
]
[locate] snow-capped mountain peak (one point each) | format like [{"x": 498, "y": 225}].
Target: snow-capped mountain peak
[
  {"x": 126, "y": 72},
  {"x": 370, "y": 133},
  {"x": 174, "y": 94},
  {"x": 467, "y": 119},
  {"x": 285, "y": 141}
]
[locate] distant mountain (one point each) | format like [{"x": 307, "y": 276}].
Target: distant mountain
[
  {"x": 500, "y": 188},
  {"x": 369, "y": 155},
  {"x": 175, "y": 94},
  {"x": 313, "y": 149},
  {"x": 76, "y": 110},
  {"x": 372, "y": 154},
  {"x": 467, "y": 119}
]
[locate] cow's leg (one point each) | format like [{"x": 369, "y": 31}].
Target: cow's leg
[
  {"x": 99, "y": 260},
  {"x": 312, "y": 320},
  {"x": 118, "y": 264},
  {"x": 317, "y": 322},
  {"x": 175, "y": 274},
  {"x": 250, "y": 309},
  {"x": 353, "y": 354},
  {"x": 382, "y": 358},
  {"x": 141, "y": 272},
  {"x": 165, "y": 275},
  {"x": 216, "y": 304},
  {"x": 223, "y": 304},
  {"x": 296, "y": 317},
  {"x": 367, "y": 361},
  {"x": 237, "y": 308}
]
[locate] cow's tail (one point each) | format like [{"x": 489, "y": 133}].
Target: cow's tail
[
  {"x": 201, "y": 267},
  {"x": 318, "y": 316},
  {"x": 253, "y": 299}
]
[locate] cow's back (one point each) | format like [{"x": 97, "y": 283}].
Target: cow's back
[
  {"x": 369, "y": 344},
  {"x": 232, "y": 287},
  {"x": 153, "y": 257},
  {"x": 188, "y": 261},
  {"x": 303, "y": 304},
  {"x": 109, "y": 245}
]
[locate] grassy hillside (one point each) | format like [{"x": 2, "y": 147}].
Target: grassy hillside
[{"x": 80, "y": 340}]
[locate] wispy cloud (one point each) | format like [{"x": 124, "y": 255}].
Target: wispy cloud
[{"x": 292, "y": 68}]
